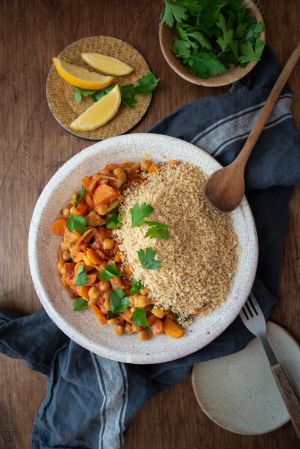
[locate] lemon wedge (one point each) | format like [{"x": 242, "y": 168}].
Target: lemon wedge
[
  {"x": 106, "y": 64},
  {"x": 81, "y": 77},
  {"x": 99, "y": 113}
]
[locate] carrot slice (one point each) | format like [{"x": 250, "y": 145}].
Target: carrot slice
[
  {"x": 91, "y": 278},
  {"x": 92, "y": 256},
  {"x": 172, "y": 330},
  {"x": 58, "y": 227},
  {"x": 99, "y": 315},
  {"x": 103, "y": 194},
  {"x": 81, "y": 209},
  {"x": 79, "y": 256},
  {"x": 83, "y": 291}
]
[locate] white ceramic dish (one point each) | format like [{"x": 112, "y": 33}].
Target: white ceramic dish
[
  {"x": 239, "y": 393},
  {"x": 82, "y": 327}
]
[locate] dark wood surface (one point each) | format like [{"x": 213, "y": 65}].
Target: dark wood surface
[{"x": 33, "y": 146}]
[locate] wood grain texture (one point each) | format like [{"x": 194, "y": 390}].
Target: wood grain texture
[{"x": 33, "y": 146}]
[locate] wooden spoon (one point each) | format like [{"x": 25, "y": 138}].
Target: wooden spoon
[{"x": 226, "y": 187}]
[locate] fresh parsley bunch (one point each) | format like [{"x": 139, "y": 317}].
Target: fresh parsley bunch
[{"x": 213, "y": 35}]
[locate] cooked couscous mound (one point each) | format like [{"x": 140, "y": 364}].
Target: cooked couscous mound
[{"x": 199, "y": 260}]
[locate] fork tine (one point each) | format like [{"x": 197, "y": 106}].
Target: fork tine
[
  {"x": 254, "y": 303},
  {"x": 245, "y": 313}
]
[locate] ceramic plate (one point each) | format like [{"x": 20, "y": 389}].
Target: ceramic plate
[
  {"x": 239, "y": 393},
  {"x": 82, "y": 327}
]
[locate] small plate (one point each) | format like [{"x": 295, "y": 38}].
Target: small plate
[
  {"x": 60, "y": 94},
  {"x": 239, "y": 393}
]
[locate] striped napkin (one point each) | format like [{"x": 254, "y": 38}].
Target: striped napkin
[{"x": 91, "y": 400}]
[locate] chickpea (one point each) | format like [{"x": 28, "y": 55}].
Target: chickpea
[
  {"x": 73, "y": 210},
  {"x": 66, "y": 212},
  {"x": 104, "y": 286},
  {"x": 64, "y": 246},
  {"x": 140, "y": 301},
  {"x": 128, "y": 329},
  {"x": 118, "y": 330},
  {"x": 60, "y": 265},
  {"x": 108, "y": 244},
  {"x": 94, "y": 294},
  {"x": 105, "y": 295},
  {"x": 101, "y": 209},
  {"x": 107, "y": 305},
  {"x": 145, "y": 164},
  {"x": 66, "y": 255},
  {"x": 113, "y": 321},
  {"x": 144, "y": 335}
]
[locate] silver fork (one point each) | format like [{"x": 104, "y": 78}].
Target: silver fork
[{"x": 255, "y": 322}]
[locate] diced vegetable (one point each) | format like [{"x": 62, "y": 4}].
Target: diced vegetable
[
  {"x": 103, "y": 194},
  {"x": 58, "y": 226},
  {"x": 172, "y": 329}
]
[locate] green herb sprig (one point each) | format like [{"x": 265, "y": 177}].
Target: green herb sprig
[
  {"x": 145, "y": 85},
  {"x": 146, "y": 258},
  {"x": 81, "y": 276},
  {"x": 136, "y": 287},
  {"x": 79, "y": 196},
  {"x": 79, "y": 304},
  {"x": 110, "y": 272},
  {"x": 118, "y": 301},
  {"x": 139, "y": 318},
  {"x": 76, "y": 223}
]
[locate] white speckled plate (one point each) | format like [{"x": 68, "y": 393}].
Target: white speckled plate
[
  {"x": 82, "y": 327},
  {"x": 239, "y": 393}
]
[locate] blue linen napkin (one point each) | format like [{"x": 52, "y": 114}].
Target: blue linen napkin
[{"x": 91, "y": 400}]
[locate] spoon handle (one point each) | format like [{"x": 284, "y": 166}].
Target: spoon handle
[{"x": 268, "y": 107}]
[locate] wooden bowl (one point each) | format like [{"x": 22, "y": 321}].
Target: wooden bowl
[{"x": 166, "y": 36}]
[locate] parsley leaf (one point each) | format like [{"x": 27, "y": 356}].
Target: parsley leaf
[
  {"x": 251, "y": 52},
  {"x": 114, "y": 221},
  {"x": 76, "y": 223},
  {"x": 128, "y": 95},
  {"x": 118, "y": 301},
  {"x": 181, "y": 48},
  {"x": 159, "y": 230},
  {"x": 79, "y": 196},
  {"x": 110, "y": 271},
  {"x": 79, "y": 93},
  {"x": 145, "y": 85},
  {"x": 136, "y": 287},
  {"x": 224, "y": 40},
  {"x": 81, "y": 276},
  {"x": 205, "y": 64},
  {"x": 139, "y": 318},
  {"x": 172, "y": 12},
  {"x": 79, "y": 304},
  {"x": 96, "y": 95},
  {"x": 139, "y": 213},
  {"x": 146, "y": 257}
]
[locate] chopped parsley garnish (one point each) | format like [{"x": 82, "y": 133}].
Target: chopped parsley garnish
[
  {"x": 114, "y": 221},
  {"x": 81, "y": 276},
  {"x": 147, "y": 260},
  {"x": 139, "y": 213},
  {"x": 118, "y": 301},
  {"x": 79, "y": 304},
  {"x": 110, "y": 272},
  {"x": 79, "y": 196},
  {"x": 145, "y": 85},
  {"x": 136, "y": 287},
  {"x": 139, "y": 318},
  {"x": 76, "y": 223},
  {"x": 157, "y": 230}
]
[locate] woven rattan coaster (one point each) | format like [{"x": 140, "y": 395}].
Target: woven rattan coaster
[{"x": 60, "y": 95}]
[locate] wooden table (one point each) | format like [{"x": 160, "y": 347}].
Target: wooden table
[{"x": 33, "y": 146}]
